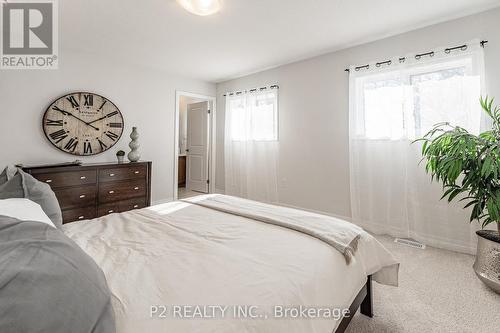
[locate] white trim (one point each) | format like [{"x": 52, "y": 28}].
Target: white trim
[
  {"x": 213, "y": 133},
  {"x": 160, "y": 202},
  {"x": 429, "y": 240}
]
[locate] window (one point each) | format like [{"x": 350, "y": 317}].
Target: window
[
  {"x": 405, "y": 103},
  {"x": 253, "y": 116},
  {"x": 391, "y": 104}
]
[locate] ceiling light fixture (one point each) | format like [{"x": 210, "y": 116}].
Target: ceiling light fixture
[{"x": 201, "y": 7}]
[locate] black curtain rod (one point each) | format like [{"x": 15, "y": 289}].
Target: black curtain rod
[
  {"x": 274, "y": 86},
  {"x": 463, "y": 47}
]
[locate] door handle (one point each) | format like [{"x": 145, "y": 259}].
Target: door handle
[{"x": 187, "y": 150}]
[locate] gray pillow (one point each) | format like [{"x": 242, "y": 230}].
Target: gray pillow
[
  {"x": 12, "y": 188},
  {"x": 43, "y": 195},
  {"x": 48, "y": 283}
]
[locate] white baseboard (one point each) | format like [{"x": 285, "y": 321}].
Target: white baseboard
[
  {"x": 162, "y": 201},
  {"x": 430, "y": 240},
  {"x": 444, "y": 244}
]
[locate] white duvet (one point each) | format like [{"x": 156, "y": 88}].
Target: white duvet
[{"x": 184, "y": 268}]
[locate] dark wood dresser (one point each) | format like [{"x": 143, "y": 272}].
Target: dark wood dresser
[{"x": 93, "y": 190}]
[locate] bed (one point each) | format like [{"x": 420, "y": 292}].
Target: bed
[{"x": 185, "y": 267}]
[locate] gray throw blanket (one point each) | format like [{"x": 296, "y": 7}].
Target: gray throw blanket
[
  {"x": 341, "y": 235},
  {"x": 48, "y": 284}
]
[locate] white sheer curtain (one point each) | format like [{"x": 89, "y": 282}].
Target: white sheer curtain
[
  {"x": 390, "y": 106},
  {"x": 251, "y": 145}
]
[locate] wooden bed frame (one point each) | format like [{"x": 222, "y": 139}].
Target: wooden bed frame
[{"x": 363, "y": 301}]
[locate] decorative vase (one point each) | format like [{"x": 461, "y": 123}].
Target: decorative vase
[
  {"x": 134, "y": 154},
  {"x": 487, "y": 264},
  {"x": 120, "y": 158}
]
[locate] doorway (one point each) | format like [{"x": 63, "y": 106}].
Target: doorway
[{"x": 194, "y": 145}]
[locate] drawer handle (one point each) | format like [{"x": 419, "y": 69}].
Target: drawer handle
[
  {"x": 136, "y": 206},
  {"x": 111, "y": 192},
  {"x": 136, "y": 188},
  {"x": 48, "y": 181},
  {"x": 83, "y": 177},
  {"x": 82, "y": 196},
  {"x": 111, "y": 174},
  {"x": 81, "y": 217},
  {"x": 110, "y": 211},
  {"x": 136, "y": 172}
]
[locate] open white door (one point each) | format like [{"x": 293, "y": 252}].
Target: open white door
[{"x": 197, "y": 147}]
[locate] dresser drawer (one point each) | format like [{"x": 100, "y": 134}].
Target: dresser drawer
[
  {"x": 138, "y": 171},
  {"x": 78, "y": 196},
  {"x": 121, "y": 206},
  {"x": 116, "y": 191},
  {"x": 70, "y": 178},
  {"x": 77, "y": 214},
  {"x": 132, "y": 204},
  {"x": 109, "y": 208}
]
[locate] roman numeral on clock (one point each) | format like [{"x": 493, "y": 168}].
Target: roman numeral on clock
[
  {"x": 102, "y": 145},
  {"x": 111, "y": 135},
  {"x": 89, "y": 100},
  {"x": 73, "y": 101},
  {"x": 56, "y": 108},
  {"x": 102, "y": 105},
  {"x": 58, "y": 136},
  {"x": 115, "y": 125},
  {"x": 71, "y": 145},
  {"x": 114, "y": 113},
  {"x": 87, "y": 148},
  {"x": 50, "y": 122}
]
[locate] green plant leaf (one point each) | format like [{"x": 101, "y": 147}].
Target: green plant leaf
[
  {"x": 473, "y": 202},
  {"x": 467, "y": 163}
]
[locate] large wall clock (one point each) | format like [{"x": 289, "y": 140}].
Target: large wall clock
[{"x": 83, "y": 123}]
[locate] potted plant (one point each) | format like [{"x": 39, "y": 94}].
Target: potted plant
[
  {"x": 120, "y": 155},
  {"x": 468, "y": 166}
]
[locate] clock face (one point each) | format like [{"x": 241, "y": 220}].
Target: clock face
[{"x": 83, "y": 124}]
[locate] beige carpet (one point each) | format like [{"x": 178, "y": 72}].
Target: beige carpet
[{"x": 438, "y": 292}]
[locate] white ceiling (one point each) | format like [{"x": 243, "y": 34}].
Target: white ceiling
[{"x": 246, "y": 36}]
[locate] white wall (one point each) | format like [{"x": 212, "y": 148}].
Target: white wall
[
  {"x": 314, "y": 156},
  {"x": 145, "y": 97}
]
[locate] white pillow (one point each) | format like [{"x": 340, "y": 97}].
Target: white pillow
[{"x": 24, "y": 210}]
